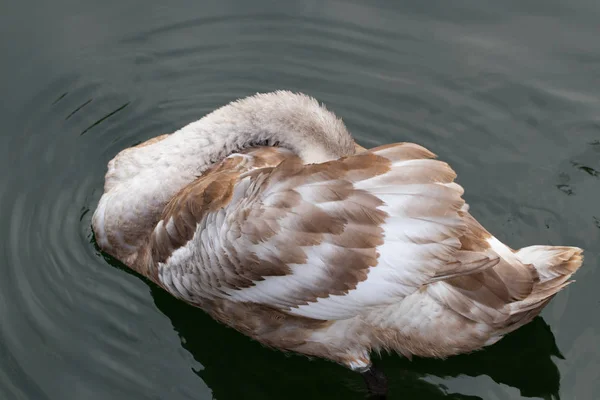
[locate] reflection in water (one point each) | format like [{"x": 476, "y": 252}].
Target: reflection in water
[{"x": 522, "y": 360}]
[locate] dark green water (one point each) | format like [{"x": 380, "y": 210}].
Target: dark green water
[{"x": 508, "y": 93}]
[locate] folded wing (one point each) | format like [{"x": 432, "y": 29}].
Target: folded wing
[{"x": 325, "y": 241}]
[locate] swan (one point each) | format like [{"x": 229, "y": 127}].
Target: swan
[{"x": 268, "y": 216}]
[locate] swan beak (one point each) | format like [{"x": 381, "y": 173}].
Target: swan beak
[{"x": 358, "y": 148}]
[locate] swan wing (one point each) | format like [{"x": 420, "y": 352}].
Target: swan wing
[{"x": 325, "y": 241}]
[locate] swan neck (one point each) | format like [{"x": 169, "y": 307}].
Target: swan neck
[{"x": 284, "y": 119}]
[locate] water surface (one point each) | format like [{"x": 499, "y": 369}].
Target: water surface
[{"x": 507, "y": 93}]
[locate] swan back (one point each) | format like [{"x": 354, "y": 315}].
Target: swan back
[{"x": 378, "y": 248}]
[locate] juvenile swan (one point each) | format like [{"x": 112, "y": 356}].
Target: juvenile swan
[{"x": 267, "y": 215}]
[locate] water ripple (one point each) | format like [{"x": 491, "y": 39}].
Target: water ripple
[{"x": 101, "y": 331}]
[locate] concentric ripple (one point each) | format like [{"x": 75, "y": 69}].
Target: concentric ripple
[{"x": 522, "y": 137}]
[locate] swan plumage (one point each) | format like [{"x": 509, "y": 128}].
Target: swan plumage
[{"x": 267, "y": 215}]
